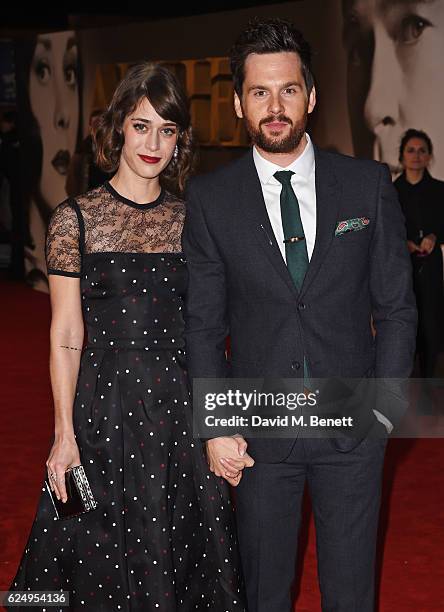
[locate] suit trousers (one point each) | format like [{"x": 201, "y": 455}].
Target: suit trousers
[{"x": 345, "y": 493}]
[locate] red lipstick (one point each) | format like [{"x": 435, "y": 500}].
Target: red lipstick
[{"x": 150, "y": 160}]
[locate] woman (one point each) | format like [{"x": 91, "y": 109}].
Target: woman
[
  {"x": 49, "y": 90},
  {"x": 161, "y": 537},
  {"x": 422, "y": 200}
]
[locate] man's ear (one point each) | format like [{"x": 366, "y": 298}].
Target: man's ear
[
  {"x": 238, "y": 106},
  {"x": 312, "y": 100}
]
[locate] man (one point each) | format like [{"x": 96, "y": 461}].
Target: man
[
  {"x": 297, "y": 308},
  {"x": 394, "y": 50}
]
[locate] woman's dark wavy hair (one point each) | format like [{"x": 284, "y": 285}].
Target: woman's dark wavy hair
[
  {"x": 269, "y": 36},
  {"x": 167, "y": 96},
  {"x": 412, "y": 133}
]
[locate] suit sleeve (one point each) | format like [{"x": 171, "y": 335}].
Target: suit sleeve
[
  {"x": 393, "y": 302},
  {"x": 206, "y": 326}
]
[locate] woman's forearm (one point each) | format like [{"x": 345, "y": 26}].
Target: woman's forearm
[{"x": 64, "y": 363}]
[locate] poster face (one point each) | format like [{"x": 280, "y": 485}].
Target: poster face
[
  {"x": 395, "y": 51},
  {"x": 54, "y": 98},
  {"x": 51, "y": 99}
]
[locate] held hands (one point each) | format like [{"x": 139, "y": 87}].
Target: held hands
[
  {"x": 227, "y": 457},
  {"x": 64, "y": 455}
]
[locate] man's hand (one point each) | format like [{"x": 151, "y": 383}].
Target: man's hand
[
  {"x": 227, "y": 457},
  {"x": 413, "y": 247}
]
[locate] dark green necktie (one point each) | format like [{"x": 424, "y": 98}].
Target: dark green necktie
[{"x": 295, "y": 243}]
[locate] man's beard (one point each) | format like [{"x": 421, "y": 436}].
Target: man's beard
[{"x": 274, "y": 144}]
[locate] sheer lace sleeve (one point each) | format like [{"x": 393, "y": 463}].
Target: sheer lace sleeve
[{"x": 63, "y": 241}]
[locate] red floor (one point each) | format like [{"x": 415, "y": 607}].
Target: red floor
[{"x": 411, "y": 547}]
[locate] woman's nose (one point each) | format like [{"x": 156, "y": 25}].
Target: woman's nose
[{"x": 152, "y": 141}]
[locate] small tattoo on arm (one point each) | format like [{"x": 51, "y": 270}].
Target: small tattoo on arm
[{"x": 72, "y": 348}]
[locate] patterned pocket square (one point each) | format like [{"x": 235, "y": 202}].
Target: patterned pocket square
[{"x": 351, "y": 225}]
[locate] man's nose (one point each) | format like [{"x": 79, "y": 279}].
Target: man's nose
[{"x": 275, "y": 105}]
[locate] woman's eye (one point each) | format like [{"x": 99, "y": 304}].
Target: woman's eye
[
  {"x": 139, "y": 127},
  {"x": 169, "y": 131},
  {"x": 71, "y": 76},
  {"x": 43, "y": 71},
  {"x": 412, "y": 28}
]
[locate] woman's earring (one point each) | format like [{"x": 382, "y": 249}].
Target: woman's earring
[{"x": 176, "y": 153}]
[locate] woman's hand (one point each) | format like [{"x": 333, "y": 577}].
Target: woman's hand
[
  {"x": 64, "y": 455},
  {"x": 427, "y": 244}
]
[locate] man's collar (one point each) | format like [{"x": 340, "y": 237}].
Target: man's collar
[{"x": 302, "y": 166}]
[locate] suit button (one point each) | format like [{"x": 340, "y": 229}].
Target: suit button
[
  {"x": 295, "y": 365},
  {"x": 301, "y": 306}
]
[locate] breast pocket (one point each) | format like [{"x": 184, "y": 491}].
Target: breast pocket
[{"x": 354, "y": 238}]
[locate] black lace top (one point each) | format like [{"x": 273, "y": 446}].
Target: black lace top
[{"x": 103, "y": 221}]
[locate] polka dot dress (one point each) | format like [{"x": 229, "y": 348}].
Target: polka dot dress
[{"x": 163, "y": 536}]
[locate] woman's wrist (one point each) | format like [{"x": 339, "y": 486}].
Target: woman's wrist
[{"x": 64, "y": 435}]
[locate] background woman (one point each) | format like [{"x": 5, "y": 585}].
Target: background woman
[{"x": 422, "y": 200}]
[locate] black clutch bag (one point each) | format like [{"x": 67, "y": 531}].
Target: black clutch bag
[{"x": 80, "y": 498}]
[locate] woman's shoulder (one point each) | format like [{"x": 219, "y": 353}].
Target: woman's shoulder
[
  {"x": 64, "y": 211},
  {"x": 91, "y": 197},
  {"x": 399, "y": 180},
  {"x": 438, "y": 183}
]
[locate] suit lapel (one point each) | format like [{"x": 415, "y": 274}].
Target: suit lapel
[
  {"x": 328, "y": 196},
  {"x": 253, "y": 205}
]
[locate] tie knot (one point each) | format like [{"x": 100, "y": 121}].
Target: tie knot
[{"x": 284, "y": 177}]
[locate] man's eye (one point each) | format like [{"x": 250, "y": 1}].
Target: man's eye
[
  {"x": 412, "y": 28},
  {"x": 290, "y": 90},
  {"x": 260, "y": 93}
]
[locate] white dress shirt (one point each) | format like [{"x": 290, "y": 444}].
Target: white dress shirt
[{"x": 303, "y": 183}]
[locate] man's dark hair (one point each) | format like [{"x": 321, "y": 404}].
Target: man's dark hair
[
  {"x": 412, "y": 133},
  {"x": 270, "y": 36}
]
